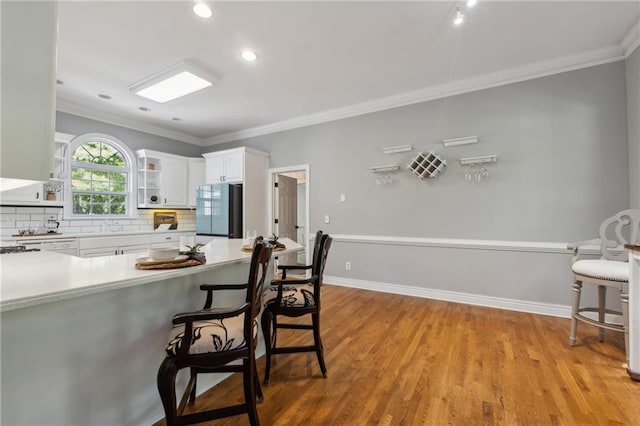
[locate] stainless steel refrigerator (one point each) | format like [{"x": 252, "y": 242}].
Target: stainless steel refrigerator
[{"x": 219, "y": 210}]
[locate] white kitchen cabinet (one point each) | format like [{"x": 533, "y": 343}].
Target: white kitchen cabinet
[
  {"x": 28, "y": 33},
  {"x": 169, "y": 240},
  {"x": 162, "y": 179},
  {"x": 110, "y": 246},
  {"x": 26, "y": 195},
  {"x": 254, "y": 171},
  {"x": 195, "y": 178},
  {"x": 225, "y": 166}
]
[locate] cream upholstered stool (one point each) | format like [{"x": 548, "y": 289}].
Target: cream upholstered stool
[
  {"x": 611, "y": 270},
  {"x": 209, "y": 341},
  {"x": 295, "y": 298}
]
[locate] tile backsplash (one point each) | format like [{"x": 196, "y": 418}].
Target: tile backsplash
[{"x": 13, "y": 219}]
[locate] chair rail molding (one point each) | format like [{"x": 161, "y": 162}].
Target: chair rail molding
[{"x": 472, "y": 244}]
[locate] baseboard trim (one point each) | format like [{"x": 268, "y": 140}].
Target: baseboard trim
[{"x": 549, "y": 309}]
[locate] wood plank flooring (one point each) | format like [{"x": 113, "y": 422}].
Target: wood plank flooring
[{"x": 400, "y": 360}]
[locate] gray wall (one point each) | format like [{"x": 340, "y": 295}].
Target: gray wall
[
  {"x": 562, "y": 162},
  {"x": 562, "y": 168},
  {"x": 633, "y": 125},
  {"x": 134, "y": 139}
]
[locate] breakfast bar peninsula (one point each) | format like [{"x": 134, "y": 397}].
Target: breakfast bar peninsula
[{"x": 82, "y": 338}]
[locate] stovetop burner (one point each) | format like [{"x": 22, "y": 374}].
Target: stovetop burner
[{"x": 16, "y": 249}]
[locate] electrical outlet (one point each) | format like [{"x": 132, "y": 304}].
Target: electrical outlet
[{"x": 347, "y": 266}]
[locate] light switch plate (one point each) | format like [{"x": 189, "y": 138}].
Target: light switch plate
[
  {"x": 343, "y": 197},
  {"x": 327, "y": 219}
]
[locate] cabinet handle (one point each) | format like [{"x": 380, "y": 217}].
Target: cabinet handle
[
  {"x": 167, "y": 238},
  {"x": 37, "y": 195},
  {"x": 116, "y": 251},
  {"x": 121, "y": 251},
  {"x": 165, "y": 201}
]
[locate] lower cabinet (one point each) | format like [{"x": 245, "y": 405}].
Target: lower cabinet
[
  {"x": 125, "y": 244},
  {"x": 110, "y": 246}
]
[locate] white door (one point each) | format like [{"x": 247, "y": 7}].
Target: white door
[{"x": 287, "y": 212}]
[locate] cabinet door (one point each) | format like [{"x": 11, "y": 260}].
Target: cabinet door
[
  {"x": 174, "y": 181},
  {"x": 234, "y": 167},
  {"x": 98, "y": 252},
  {"x": 214, "y": 170},
  {"x": 134, "y": 249},
  {"x": 31, "y": 194},
  {"x": 195, "y": 179}
]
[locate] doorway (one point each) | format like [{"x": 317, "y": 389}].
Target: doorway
[{"x": 289, "y": 208}]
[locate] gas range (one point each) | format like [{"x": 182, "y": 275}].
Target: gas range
[{"x": 16, "y": 249}]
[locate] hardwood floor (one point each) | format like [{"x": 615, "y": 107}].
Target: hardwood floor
[{"x": 400, "y": 360}]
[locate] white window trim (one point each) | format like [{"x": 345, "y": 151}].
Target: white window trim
[{"x": 132, "y": 184}]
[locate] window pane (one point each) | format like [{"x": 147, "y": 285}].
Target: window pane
[
  {"x": 80, "y": 179},
  {"x": 118, "y": 205},
  {"x": 118, "y": 182},
  {"x": 81, "y": 204},
  {"x": 100, "y": 180}
]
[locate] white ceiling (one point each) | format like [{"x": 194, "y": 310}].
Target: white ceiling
[{"x": 318, "y": 60}]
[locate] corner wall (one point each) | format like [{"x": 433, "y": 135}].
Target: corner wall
[{"x": 632, "y": 72}]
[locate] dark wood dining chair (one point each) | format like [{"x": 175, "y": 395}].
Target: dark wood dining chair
[
  {"x": 295, "y": 298},
  {"x": 283, "y": 269},
  {"x": 208, "y": 340}
]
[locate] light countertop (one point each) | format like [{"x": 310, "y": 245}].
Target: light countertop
[{"x": 33, "y": 278}]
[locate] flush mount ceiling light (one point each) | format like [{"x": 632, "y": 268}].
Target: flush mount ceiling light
[
  {"x": 202, "y": 10},
  {"x": 471, "y": 3},
  {"x": 174, "y": 82},
  {"x": 248, "y": 55}
]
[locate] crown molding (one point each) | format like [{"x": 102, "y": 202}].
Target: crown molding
[
  {"x": 118, "y": 120},
  {"x": 501, "y": 78},
  {"x": 632, "y": 40}
]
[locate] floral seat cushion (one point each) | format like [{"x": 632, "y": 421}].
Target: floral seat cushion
[
  {"x": 292, "y": 295},
  {"x": 211, "y": 336}
]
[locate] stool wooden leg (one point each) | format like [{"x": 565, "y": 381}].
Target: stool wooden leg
[
  {"x": 602, "y": 301},
  {"x": 167, "y": 389},
  {"x": 624, "y": 298},
  {"x": 266, "y": 322},
  {"x": 577, "y": 288}
]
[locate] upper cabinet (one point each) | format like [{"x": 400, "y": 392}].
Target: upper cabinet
[
  {"x": 250, "y": 167},
  {"x": 162, "y": 179},
  {"x": 225, "y": 166},
  {"x": 195, "y": 178},
  {"x": 28, "y": 34}
]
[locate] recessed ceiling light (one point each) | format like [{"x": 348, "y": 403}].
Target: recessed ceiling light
[
  {"x": 178, "y": 119},
  {"x": 471, "y": 3},
  {"x": 248, "y": 55},
  {"x": 174, "y": 82},
  {"x": 103, "y": 96},
  {"x": 202, "y": 10},
  {"x": 145, "y": 109}
]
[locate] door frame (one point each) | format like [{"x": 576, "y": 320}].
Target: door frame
[{"x": 286, "y": 169}]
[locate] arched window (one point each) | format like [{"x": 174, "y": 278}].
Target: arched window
[{"x": 100, "y": 177}]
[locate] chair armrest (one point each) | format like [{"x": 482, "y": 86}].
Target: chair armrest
[
  {"x": 576, "y": 247},
  {"x": 298, "y": 266},
  {"x": 210, "y": 288},
  {"x": 214, "y": 287},
  {"x": 295, "y": 282},
  {"x": 209, "y": 314}
]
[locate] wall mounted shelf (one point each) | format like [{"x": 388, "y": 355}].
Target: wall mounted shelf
[
  {"x": 427, "y": 165},
  {"x": 397, "y": 149},
  {"x": 385, "y": 169},
  {"x": 460, "y": 141},
  {"x": 469, "y": 161}
]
